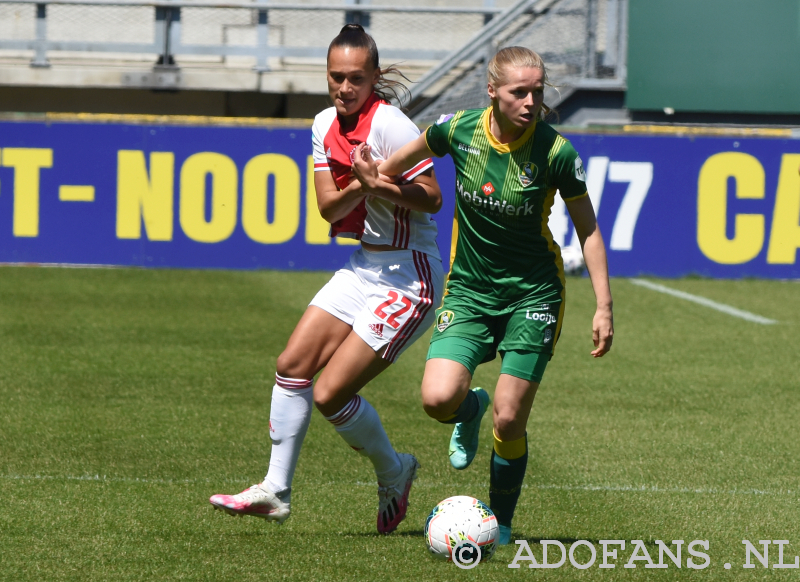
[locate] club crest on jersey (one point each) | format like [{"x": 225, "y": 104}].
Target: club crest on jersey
[
  {"x": 353, "y": 155},
  {"x": 580, "y": 174},
  {"x": 488, "y": 188},
  {"x": 444, "y": 320},
  {"x": 527, "y": 174},
  {"x": 444, "y": 118}
]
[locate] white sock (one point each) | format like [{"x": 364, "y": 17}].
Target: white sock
[
  {"x": 289, "y": 416},
  {"x": 359, "y": 425}
]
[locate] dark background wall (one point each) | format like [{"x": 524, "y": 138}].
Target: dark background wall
[
  {"x": 143, "y": 101},
  {"x": 737, "y": 56}
]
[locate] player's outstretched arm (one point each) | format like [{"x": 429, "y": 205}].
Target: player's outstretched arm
[
  {"x": 406, "y": 157},
  {"x": 594, "y": 253},
  {"x": 335, "y": 204},
  {"x": 423, "y": 194}
]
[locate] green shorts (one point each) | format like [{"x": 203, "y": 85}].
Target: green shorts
[
  {"x": 525, "y": 333},
  {"x": 521, "y": 364}
]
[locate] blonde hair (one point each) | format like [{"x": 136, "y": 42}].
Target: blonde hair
[{"x": 516, "y": 57}]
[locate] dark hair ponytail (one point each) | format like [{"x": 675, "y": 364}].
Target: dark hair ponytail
[{"x": 354, "y": 36}]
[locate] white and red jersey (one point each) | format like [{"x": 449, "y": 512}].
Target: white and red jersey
[{"x": 376, "y": 221}]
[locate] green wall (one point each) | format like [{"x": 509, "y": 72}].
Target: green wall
[{"x": 714, "y": 55}]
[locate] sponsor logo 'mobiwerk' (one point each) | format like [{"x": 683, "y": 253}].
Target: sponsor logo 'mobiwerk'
[{"x": 492, "y": 204}]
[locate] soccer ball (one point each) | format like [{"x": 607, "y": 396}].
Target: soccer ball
[
  {"x": 459, "y": 519},
  {"x": 573, "y": 260}
]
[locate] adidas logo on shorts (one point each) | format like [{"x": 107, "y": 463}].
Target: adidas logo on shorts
[{"x": 377, "y": 329}]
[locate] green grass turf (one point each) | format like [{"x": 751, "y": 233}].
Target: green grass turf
[{"x": 128, "y": 397}]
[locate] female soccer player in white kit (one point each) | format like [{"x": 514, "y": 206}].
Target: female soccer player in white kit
[{"x": 373, "y": 308}]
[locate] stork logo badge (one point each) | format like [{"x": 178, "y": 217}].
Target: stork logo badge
[
  {"x": 527, "y": 174},
  {"x": 444, "y": 320},
  {"x": 487, "y": 188}
]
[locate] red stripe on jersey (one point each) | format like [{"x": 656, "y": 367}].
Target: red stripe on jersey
[
  {"x": 413, "y": 322},
  {"x": 402, "y": 228},
  {"x": 321, "y": 166},
  {"x": 427, "y": 280},
  {"x": 417, "y": 170},
  {"x": 406, "y": 227},
  {"x": 396, "y": 226},
  {"x": 402, "y": 235}
]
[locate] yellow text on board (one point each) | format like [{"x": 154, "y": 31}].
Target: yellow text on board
[
  {"x": 749, "y": 233},
  {"x": 146, "y": 201}
]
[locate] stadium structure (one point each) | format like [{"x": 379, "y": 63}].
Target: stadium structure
[{"x": 265, "y": 59}]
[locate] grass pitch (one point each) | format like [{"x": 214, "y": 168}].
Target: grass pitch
[{"x": 128, "y": 397}]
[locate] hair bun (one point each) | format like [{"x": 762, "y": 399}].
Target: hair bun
[{"x": 352, "y": 27}]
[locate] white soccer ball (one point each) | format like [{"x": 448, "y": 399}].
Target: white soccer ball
[
  {"x": 573, "y": 260},
  {"x": 460, "y": 519}
]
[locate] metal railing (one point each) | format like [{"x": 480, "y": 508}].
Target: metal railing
[
  {"x": 260, "y": 29},
  {"x": 476, "y": 46},
  {"x": 583, "y": 43}
]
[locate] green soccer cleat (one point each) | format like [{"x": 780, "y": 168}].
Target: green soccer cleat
[
  {"x": 464, "y": 442},
  {"x": 504, "y": 535}
]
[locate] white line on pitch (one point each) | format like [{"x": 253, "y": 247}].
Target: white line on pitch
[
  {"x": 703, "y": 301},
  {"x": 420, "y": 483},
  {"x": 107, "y": 479},
  {"x": 609, "y": 488}
]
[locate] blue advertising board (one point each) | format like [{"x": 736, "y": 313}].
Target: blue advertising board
[
  {"x": 678, "y": 205},
  {"x": 167, "y": 193}
]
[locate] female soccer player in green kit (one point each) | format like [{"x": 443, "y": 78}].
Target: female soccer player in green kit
[{"x": 506, "y": 287}]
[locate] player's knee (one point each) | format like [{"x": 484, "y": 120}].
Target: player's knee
[
  {"x": 291, "y": 364},
  {"x": 507, "y": 426},
  {"x": 326, "y": 400},
  {"x": 438, "y": 406},
  {"x": 321, "y": 396}
]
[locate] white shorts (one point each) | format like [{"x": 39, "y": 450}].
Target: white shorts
[{"x": 389, "y": 297}]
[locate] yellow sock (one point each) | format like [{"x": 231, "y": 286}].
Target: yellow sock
[{"x": 509, "y": 450}]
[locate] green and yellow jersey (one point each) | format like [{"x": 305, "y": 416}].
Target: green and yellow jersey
[{"x": 503, "y": 251}]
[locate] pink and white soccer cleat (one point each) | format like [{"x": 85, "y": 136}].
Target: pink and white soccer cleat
[
  {"x": 257, "y": 501},
  {"x": 393, "y": 497}
]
